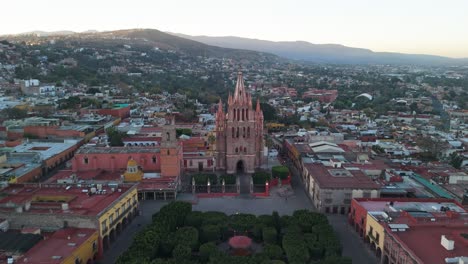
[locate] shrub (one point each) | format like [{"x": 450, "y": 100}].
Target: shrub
[
  {"x": 257, "y": 232},
  {"x": 202, "y": 179},
  {"x": 266, "y": 220},
  {"x": 295, "y": 248},
  {"x": 242, "y": 222},
  {"x": 228, "y": 179},
  {"x": 281, "y": 172},
  {"x": 269, "y": 235},
  {"x": 273, "y": 251},
  {"x": 210, "y": 233},
  {"x": 182, "y": 252},
  {"x": 206, "y": 250},
  {"x": 187, "y": 236},
  {"x": 261, "y": 177},
  {"x": 214, "y": 218},
  {"x": 194, "y": 219}
]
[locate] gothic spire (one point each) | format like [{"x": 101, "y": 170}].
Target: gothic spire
[{"x": 239, "y": 93}]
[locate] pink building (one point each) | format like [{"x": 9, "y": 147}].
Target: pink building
[{"x": 239, "y": 132}]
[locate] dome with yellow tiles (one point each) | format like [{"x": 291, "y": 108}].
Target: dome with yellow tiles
[{"x": 132, "y": 163}]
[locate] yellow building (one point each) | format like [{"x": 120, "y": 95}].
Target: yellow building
[
  {"x": 375, "y": 232},
  {"x": 117, "y": 216}
]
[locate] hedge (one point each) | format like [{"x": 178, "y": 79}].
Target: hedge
[
  {"x": 281, "y": 172},
  {"x": 269, "y": 235},
  {"x": 261, "y": 177},
  {"x": 207, "y": 250},
  {"x": 202, "y": 179},
  {"x": 210, "y": 233},
  {"x": 273, "y": 251},
  {"x": 228, "y": 179}
]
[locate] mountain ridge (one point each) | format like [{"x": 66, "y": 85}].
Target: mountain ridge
[
  {"x": 298, "y": 50},
  {"x": 323, "y": 53}
]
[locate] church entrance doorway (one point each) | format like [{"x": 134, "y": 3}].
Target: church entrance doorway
[{"x": 240, "y": 167}]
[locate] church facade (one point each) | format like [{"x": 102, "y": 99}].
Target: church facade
[{"x": 239, "y": 132}]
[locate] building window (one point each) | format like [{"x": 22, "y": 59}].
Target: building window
[
  {"x": 238, "y": 114},
  {"x": 168, "y": 152},
  {"x": 86, "y": 160},
  {"x": 245, "y": 149},
  {"x": 237, "y": 150},
  {"x": 248, "y": 132},
  {"x": 154, "y": 159},
  {"x": 104, "y": 226},
  {"x": 191, "y": 163},
  {"x": 237, "y": 133},
  {"x": 247, "y": 114},
  {"x": 243, "y": 132},
  {"x": 242, "y": 114}
]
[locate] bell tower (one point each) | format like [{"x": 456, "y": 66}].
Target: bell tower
[{"x": 171, "y": 152}]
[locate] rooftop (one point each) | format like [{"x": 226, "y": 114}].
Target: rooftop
[
  {"x": 425, "y": 242},
  {"x": 49, "y": 198},
  {"x": 45, "y": 149},
  {"x": 114, "y": 150},
  {"x": 60, "y": 245},
  {"x": 328, "y": 177}
]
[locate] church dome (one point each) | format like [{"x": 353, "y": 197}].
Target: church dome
[{"x": 131, "y": 163}]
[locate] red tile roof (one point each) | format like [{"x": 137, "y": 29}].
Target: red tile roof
[
  {"x": 60, "y": 245},
  {"x": 425, "y": 242}
]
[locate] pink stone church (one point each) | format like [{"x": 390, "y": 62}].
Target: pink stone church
[{"x": 239, "y": 133}]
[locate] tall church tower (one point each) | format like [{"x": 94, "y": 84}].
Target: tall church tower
[
  {"x": 239, "y": 132},
  {"x": 171, "y": 151}
]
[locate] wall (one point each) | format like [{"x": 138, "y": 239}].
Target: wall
[
  {"x": 47, "y": 221},
  {"x": 115, "y": 161}
]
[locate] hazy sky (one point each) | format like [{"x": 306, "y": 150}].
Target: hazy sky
[{"x": 410, "y": 26}]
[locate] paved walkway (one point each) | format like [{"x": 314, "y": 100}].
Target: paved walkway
[
  {"x": 353, "y": 245},
  {"x": 125, "y": 239}
]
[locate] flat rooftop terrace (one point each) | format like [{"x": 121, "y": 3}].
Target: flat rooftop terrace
[
  {"x": 45, "y": 149},
  {"x": 410, "y": 205},
  {"x": 48, "y": 198}
]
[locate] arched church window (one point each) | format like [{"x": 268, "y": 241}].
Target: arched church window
[
  {"x": 242, "y": 114},
  {"x": 234, "y": 114},
  {"x": 168, "y": 136},
  {"x": 154, "y": 159},
  {"x": 246, "y": 114},
  {"x": 243, "y": 132},
  {"x": 233, "y": 133},
  {"x": 237, "y": 133},
  {"x": 248, "y": 132},
  {"x": 238, "y": 114}
]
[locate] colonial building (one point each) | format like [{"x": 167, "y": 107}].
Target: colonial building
[{"x": 239, "y": 132}]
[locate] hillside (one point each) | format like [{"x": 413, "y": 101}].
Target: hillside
[
  {"x": 151, "y": 38},
  {"x": 324, "y": 53}
]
